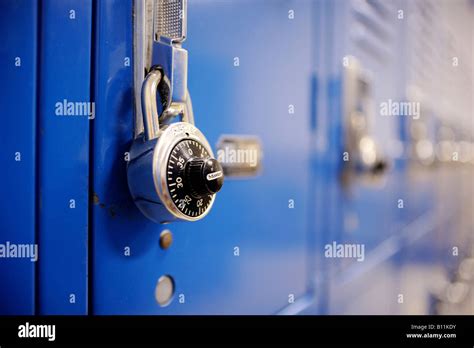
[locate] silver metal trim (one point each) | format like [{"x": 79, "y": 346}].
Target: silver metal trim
[
  {"x": 144, "y": 30},
  {"x": 240, "y": 143},
  {"x": 163, "y": 21},
  {"x": 142, "y": 53}
]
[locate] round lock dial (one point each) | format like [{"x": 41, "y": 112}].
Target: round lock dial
[{"x": 193, "y": 177}]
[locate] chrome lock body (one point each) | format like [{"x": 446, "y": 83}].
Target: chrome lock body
[{"x": 172, "y": 173}]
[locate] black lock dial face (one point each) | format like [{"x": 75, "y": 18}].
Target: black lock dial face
[{"x": 184, "y": 180}]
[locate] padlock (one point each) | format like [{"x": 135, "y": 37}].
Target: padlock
[
  {"x": 365, "y": 155},
  {"x": 172, "y": 173}
]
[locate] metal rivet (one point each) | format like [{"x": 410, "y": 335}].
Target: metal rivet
[
  {"x": 166, "y": 239},
  {"x": 164, "y": 290}
]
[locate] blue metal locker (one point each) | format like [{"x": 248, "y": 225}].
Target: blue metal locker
[
  {"x": 307, "y": 81},
  {"x": 65, "y": 113},
  {"x": 18, "y": 24},
  {"x": 271, "y": 268}
]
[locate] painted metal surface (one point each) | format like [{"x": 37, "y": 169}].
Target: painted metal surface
[
  {"x": 18, "y": 26},
  {"x": 262, "y": 247},
  {"x": 209, "y": 277},
  {"x": 371, "y": 215},
  {"x": 63, "y": 156},
  {"x": 355, "y": 210}
]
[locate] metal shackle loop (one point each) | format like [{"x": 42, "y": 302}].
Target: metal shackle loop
[{"x": 149, "y": 108}]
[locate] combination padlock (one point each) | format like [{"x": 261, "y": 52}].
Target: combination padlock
[{"x": 172, "y": 173}]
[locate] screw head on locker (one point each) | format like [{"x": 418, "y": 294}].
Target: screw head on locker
[{"x": 172, "y": 173}]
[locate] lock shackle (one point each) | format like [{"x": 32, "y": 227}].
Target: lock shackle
[
  {"x": 151, "y": 118},
  {"x": 149, "y": 108}
]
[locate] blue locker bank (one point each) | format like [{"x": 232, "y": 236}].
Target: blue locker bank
[{"x": 237, "y": 157}]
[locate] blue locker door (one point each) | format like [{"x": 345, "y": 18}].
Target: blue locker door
[
  {"x": 65, "y": 113},
  {"x": 249, "y": 255},
  {"x": 366, "y": 32},
  {"x": 18, "y": 27}
]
